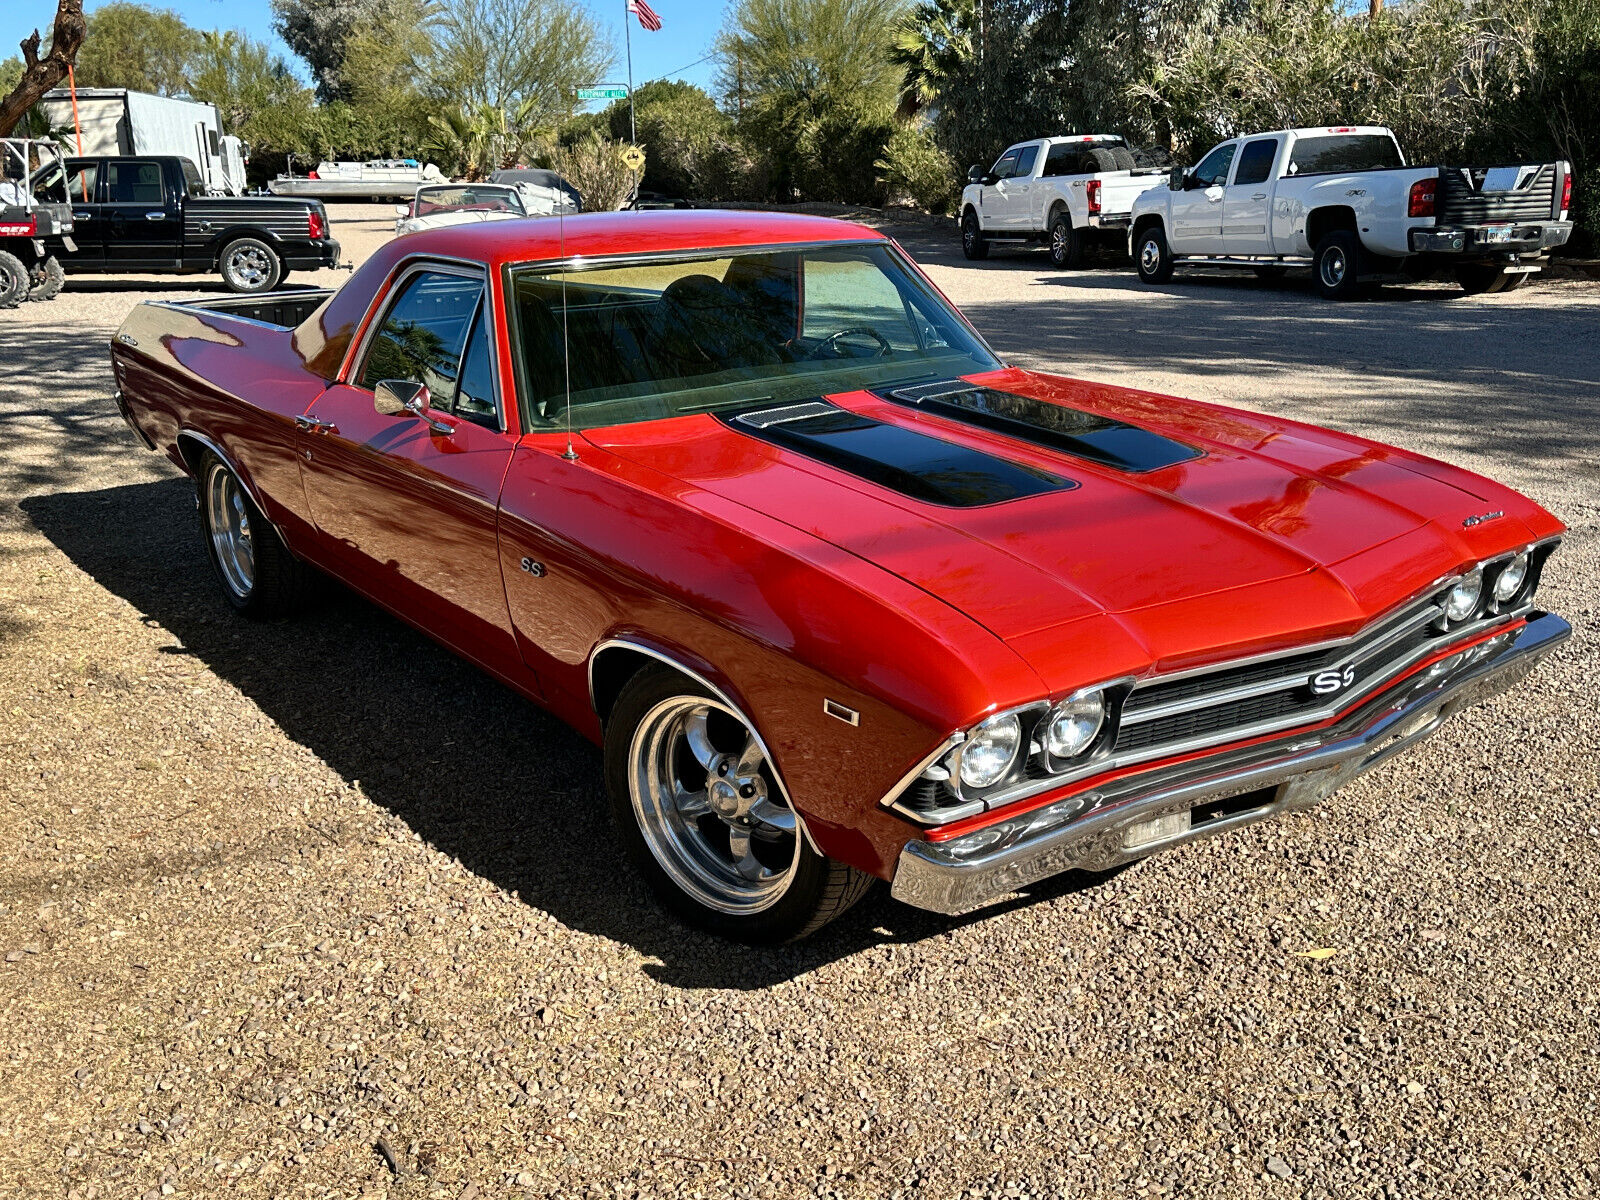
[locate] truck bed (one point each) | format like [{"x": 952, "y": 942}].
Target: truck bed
[{"x": 285, "y": 309}]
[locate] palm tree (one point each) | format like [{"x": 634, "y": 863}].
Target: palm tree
[{"x": 932, "y": 43}]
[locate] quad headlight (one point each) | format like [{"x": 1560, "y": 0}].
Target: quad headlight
[
  {"x": 1463, "y": 599},
  {"x": 1511, "y": 578},
  {"x": 1073, "y": 725},
  {"x": 990, "y": 751}
]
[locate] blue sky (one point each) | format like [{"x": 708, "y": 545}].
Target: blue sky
[{"x": 687, "y": 30}]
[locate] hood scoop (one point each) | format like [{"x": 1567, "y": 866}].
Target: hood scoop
[
  {"x": 913, "y": 464},
  {"x": 1087, "y": 435}
]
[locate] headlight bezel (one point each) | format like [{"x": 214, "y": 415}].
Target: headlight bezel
[{"x": 1489, "y": 604}]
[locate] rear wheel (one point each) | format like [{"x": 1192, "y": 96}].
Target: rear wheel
[
  {"x": 250, "y": 265},
  {"x": 47, "y": 280},
  {"x": 973, "y": 244},
  {"x": 699, "y": 810},
  {"x": 1337, "y": 266},
  {"x": 1151, "y": 255},
  {"x": 259, "y": 577},
  {"x": 14, "y": 281},
  {"x": 1066, "y": 242}
]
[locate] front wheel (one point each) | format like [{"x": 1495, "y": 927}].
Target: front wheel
[
  {"x": 48, "y": 279},
  {"x": 699, "y": 810},
  {"x": 1152, "y": 256},
  {"x": 973, "y": 244},
  {"x": 1337, "y": 265},
  {"x": 250, "y": 265},
  {"x": 1066, "y": 242},
  {"x": 259, "y": 577}
]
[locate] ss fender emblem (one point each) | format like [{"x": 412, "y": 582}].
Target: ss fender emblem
[
  {"x": 1325, "y": 683},
  {"x": 536, "y": 569}
]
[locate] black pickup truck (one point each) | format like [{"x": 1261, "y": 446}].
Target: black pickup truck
[{"x": 150, "y": 215}]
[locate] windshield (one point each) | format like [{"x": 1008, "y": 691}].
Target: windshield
[
  {"x": 1348, "y": 152},
  {"x": 467, "y": 199},
  {"x": 674, "y": 336}
]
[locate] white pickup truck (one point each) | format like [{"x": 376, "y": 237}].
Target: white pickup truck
[
  {"x": 1342, "y": 201},
  {"x": 1060, "y": 192}
]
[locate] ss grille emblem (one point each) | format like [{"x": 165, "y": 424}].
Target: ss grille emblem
[
  {"x": 1325, "y": 683},
  {"x": 536, "y": 569}
]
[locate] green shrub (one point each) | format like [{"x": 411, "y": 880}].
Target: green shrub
[{"x": 914, "y": 168}]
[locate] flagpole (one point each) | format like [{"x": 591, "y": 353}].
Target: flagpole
[{"x": 627, "y": 35}]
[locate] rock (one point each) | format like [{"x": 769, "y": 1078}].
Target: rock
[{"x": 1276, "y": 1166}]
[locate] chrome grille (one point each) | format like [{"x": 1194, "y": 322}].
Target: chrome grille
[{"x": 1168, "y": 715}]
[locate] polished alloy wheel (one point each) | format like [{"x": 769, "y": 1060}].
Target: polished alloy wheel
[
  {"x": 709, "y": 808},
  {"x": 228, "y": 518},
  {"x": 1150, "y": 256},
  {"x": 969, "y": 236},
  {"x": 249, "y": 265},
  {"x": 1058, "y": 241},
  {"x": 1333, "y": 266}
]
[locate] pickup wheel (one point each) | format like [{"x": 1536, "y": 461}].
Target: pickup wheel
[
  {"x": 250, "y": 265},
  {"x": 48, "y": 279},
  {"x": 1152, "y": 256},
  {"x": 259, "y": 577},
  {"x": 1066, "y": 242},
  {"x": 1482, "y": 281},
  {"x": 1336, "y": 265},
  {"x": 701, "y": 816},
  {"x": 14, "y": 281},
  {"x": 973, "y": 244}
]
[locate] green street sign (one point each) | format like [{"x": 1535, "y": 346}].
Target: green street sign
[{"x": 603, "y": 93}]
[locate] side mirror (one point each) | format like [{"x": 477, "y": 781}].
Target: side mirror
[
  {"x": 391, "y": 397},
  {"x": 974, "y": 174},
  {"x": 1175, "y": 180},
  {"x": 402, "y": 210}
]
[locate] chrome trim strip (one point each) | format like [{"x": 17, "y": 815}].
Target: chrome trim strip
[
  {"x": 719, "y": 694},
  {"x": 931, "y": 878}
]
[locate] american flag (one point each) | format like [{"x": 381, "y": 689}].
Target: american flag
[{"x": 646, "y": 14}]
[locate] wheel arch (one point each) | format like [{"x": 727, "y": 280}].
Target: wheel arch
[
  {"x": 193, "y": 445},
  {"x": 616, "y": 660},
  {"x": 1057, "y": 206},
  {"x": 1325, "y": 220},
  {"x": 233, "y": 233},
  {"x": 1142, "y": 224}
]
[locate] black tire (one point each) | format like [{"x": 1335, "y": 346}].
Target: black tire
[
  {"x": 973, "y": 244},
  {"x": 1151, "y": 257},
  {"x": 1066, "y": 242},
  {"x": 48, "y": 280},
  {"x": 1336, "y": 267},
  {"x": 248, "y": 265},
  {"x": 1482, "y": 280},
  {"x": 275, "y": 583},
  {"x": 1269, "y": 273},
  {"x": 1513, "y": 282},
  {"x": 816, "y": 890},
  {"x": 14, "y": 281}
]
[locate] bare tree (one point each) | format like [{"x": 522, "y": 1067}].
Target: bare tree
[{"x": 39, "y": 75}]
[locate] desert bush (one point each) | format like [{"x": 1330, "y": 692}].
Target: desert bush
[
  {"x": 594, "y": 166},
  {"x": 913, "y": 168}
]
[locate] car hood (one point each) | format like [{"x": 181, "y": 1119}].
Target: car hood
[
  {"x": 1255, "y": 532},
  {"x": 443, "y": 219}
]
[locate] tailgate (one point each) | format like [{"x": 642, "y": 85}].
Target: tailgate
[
  {"x": 1484, "y": 195},
  {"x": 1119, "y": 190}
]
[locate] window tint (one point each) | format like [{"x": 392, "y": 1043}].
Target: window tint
[
  {"x": 1255, "y": 161},
  {"x": 133, "y": 182},
  {"x": 422, "y": 335},
  {"x": 1025, "y": 160},
  {"x": 191, "y": 176},
  {"x": 81, "y": 179},
  {"x": 1007, "y": 166},
  {"x": 1347, "y": 152},
  {"x": 1062, "y": 160},
  {"x": 1213, "y": 168},
  {"x": 475, "y": 395}
]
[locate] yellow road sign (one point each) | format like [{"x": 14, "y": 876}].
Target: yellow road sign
[{"x": 633, "y": 158}]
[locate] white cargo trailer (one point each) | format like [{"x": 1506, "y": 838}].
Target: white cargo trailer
[{"x": 118, "y": 121}]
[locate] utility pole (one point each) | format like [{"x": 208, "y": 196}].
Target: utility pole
[{"x": 627, "y": 37}]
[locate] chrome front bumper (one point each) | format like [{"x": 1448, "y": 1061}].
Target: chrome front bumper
[{"x": 1091, "y": 831}]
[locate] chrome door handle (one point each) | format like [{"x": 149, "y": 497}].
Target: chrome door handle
[
  {"x": 82, "y": 216},
  {"x": 315, "y": 425},
  {"x": 1259, "y": 196},
  {"x": 156, "y": 216}
]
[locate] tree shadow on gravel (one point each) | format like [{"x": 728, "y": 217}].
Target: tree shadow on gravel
[{"x": 477, "y": 771}]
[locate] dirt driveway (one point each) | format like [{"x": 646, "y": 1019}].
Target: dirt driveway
[{"x": 314, "y": 909}]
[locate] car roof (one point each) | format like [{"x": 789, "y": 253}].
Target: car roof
[{"x": 646, "y": 232}]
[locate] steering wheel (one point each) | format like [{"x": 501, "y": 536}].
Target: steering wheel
[{"x": 828, "y": 346}]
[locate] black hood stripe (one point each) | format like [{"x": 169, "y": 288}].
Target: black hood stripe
[
  {"x": 1086, "y": 435},
  {"x": 914, "y": 464}
]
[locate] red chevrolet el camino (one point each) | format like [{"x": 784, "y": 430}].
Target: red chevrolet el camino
[{"x": 841, "y": 595}]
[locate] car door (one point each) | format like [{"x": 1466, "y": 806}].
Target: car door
[
  {"x": 407, "y": 503},
  {"x": 143, "y": 228},
  {"x": 88, "y": 216},
  {"x": 1247, "y": 201},
  {"x": 1197, "y": 208},
  {"x": 1019, "y": 192},
  {"x": 993, "y": 198}
]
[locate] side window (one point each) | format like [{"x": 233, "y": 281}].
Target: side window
[
  {"x": 130, "y": 182},
  {"x": 191, "y": 176},
  {"x": 1025, "y": 160},
  {"x": 1062, "y": 160},
  {"x": 1006, "y": 167},
  {"x": 422, "y": 335},
  {"x": 475, "y": 395},
  {"x": 1255, "y": 161},
  {"x": 81, "y": 180},
  {"x": 1213, "y": 168}
]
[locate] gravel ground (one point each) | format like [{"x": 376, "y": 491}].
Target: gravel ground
[{"x": 315, "y": 909}]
